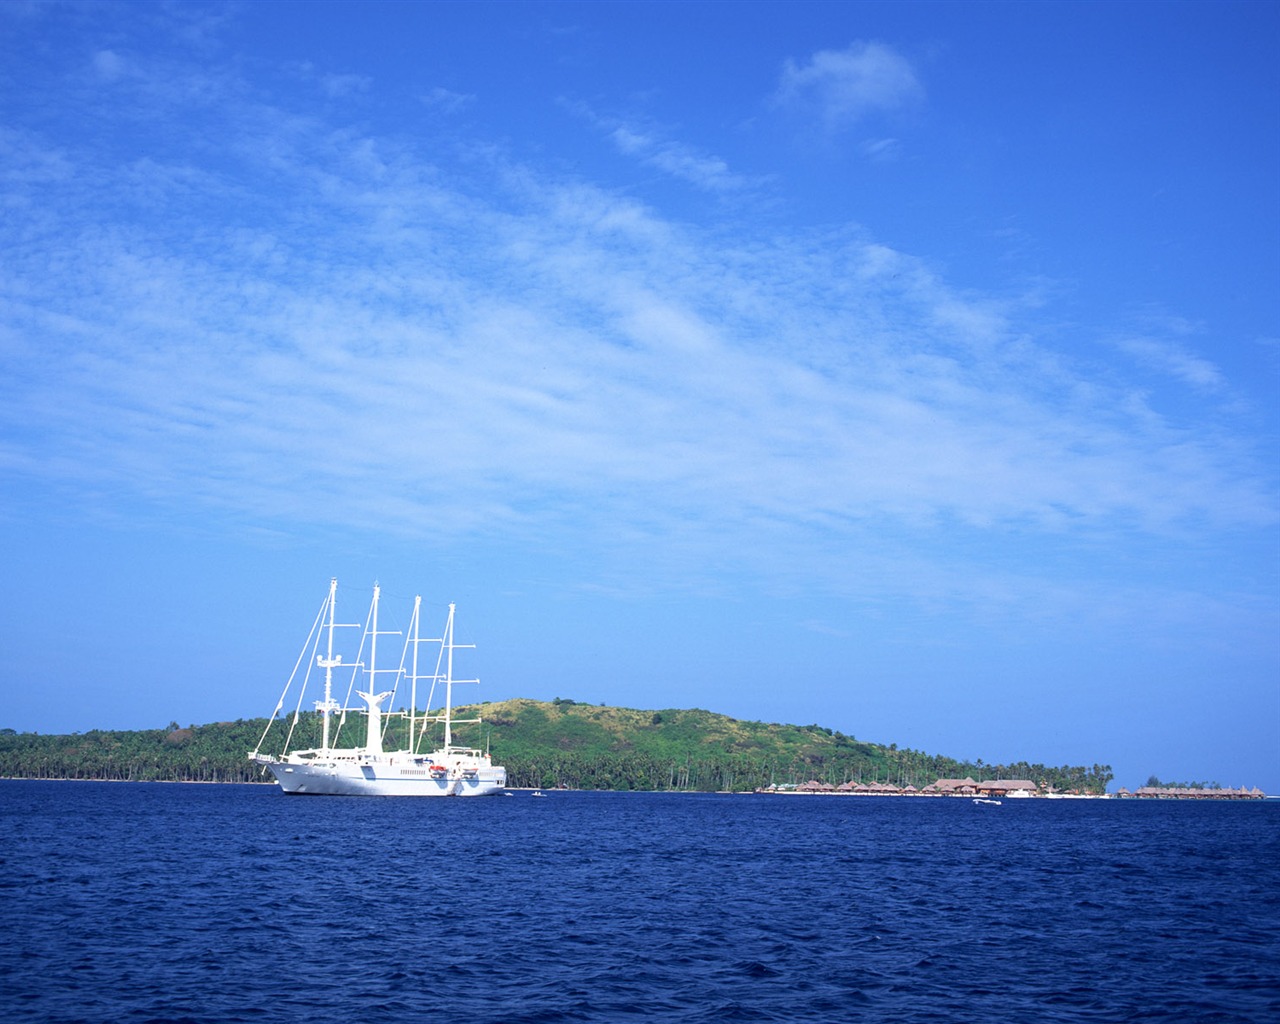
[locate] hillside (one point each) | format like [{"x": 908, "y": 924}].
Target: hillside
[{"x": 541, "y": 743}]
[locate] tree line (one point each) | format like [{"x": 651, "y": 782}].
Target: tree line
[{"x": 542, "y": 745}]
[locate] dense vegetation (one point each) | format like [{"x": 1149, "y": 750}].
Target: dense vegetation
[
  {"x": 543, "y": 744},
  {"x": 1153, "y": 782}
]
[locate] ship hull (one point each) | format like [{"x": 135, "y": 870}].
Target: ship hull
[{"x": 378, "y": 780}]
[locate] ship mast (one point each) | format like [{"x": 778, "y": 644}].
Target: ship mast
[
  {"x": 448, "y": 682},
  {"x": 328, "y": 662},
  {"x": 413, "y": 686},
  {"x": 373, "y": 731},
  {"x": 450, "y": 647}
]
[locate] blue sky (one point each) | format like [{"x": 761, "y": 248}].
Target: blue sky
[{"x": 911, "y": 369}]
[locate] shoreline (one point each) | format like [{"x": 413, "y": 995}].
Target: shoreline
[{"x": 1191, "y": 796}]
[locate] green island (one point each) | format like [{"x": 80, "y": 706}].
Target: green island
[{"x": 545, "y": 744}]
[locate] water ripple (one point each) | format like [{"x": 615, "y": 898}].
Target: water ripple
[{"x": 229, "y": 904}]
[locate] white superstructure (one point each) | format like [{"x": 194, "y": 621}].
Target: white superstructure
[{"x": 369, "y": 770}]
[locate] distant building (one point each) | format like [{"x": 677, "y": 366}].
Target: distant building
[
  {"x": 1008, "y": 787},
  {"x": 1174, "y": 793}
]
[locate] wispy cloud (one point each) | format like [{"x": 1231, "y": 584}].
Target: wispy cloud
[
  {"x": 842, "y": 87},
  {"x": 1175, "y": 360},
  {"x": 652, "y": 147},
  {"x": 109, "y": 65},
  {"x": 354, "y": 338},
  {"x": 680, "y": 161},
  {"x": 337, "y": 86},
  {"x": 447, "y": 101},
  {"x": 331, "y": 84},
  {"x": 882, "y": 150}
]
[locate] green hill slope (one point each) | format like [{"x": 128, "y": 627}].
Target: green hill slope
[
  {"x": 542, "y": 744},
  {"x": 565, "y": 743}
]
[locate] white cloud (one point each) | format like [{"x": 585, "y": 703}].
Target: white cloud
[
  {"x": 447, "y": 101},
  {"x": 602, "y": 370},
  {"x": 680, "y": 161},
  {"x": 1174, "y": 360},
  {"x": 337, "y": 86},
  {"x": 109, "y": 65},
  {"x": 842, "y": 87},
  {"x": 353, "y": 337},
  {"x": 651, "y": 147},
  {"x": 882, "y": 150}
]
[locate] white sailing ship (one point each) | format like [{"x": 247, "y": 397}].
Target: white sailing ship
[{"x": 331, "y": 770}]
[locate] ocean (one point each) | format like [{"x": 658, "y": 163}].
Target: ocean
[{"x": 147, "y": 902}]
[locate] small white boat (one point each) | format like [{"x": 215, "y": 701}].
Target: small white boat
[
  {"x": 537, "y": 792},
  {"x": 984, "y": 800},
  {"x": 329, "y": 770}
]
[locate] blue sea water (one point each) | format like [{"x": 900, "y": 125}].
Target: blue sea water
[{"x": 127, "y": 902}]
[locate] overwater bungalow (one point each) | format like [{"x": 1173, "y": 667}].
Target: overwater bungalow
[
  {"x": 952, "y": 787},
  {"x": 1201, "y": 793}
]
